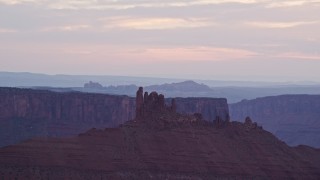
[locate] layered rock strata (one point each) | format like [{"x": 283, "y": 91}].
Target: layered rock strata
[
  {"x": 294, "y": 119},
  {"x": 26, "y": 113},
  {"x": 184, "y": 147}
]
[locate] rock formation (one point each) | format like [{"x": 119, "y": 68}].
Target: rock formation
[
  {"x": 93, "y": 85},
  {"x": 41, "y": 113},
  {"x": 153, "y": 111},
  {"x": 249, "y": 125},
  {"x": 180, "y": 150},
  {"x": 139, "y": 102},
  {"x": 26, "y": 113},
  {"x": 211, "y": 109},
  {"x": 152, "y": 104},
  {"x": 294, "y": 119},
  {"x": 173, "y": 105}
]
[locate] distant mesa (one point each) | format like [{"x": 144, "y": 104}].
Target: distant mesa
[
  {"x": 93, "y": 85},
  {"x": 180, "y": 89},
  {"x": 180, "y": 86}
]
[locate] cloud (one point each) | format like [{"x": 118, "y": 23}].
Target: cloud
[
  {"x": 4, "y": 30},
  {"x": 126, "y": 4},
  {"x": 72, "y": 50},
  {"x": 279, "y": 25},
  {"x": 14, "y": 2},
  {"x": 195, "y": 53},
  {"x": 153, "y": 54},
  {"x": 297, "y": 55},
  {"x": 292, "y": 3},
  {"x": 66, "y": 28},
  {"x": 155, "y": 23},
  {"x": 120, "y": 5}
]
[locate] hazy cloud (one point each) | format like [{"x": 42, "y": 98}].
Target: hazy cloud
[
  {"x": 4, "y": 30},
  {"x": 129, "y": 4},
  {"x": 292, "y": 3},
  {"x": 192, "y": 54},
  {"x": 14, "y": 2},
  {"x": 156, "y": 23},
  {"x": 298, "y": 55},
  {"x": 66, "y": 28},
  {"x": 120, "y": 5},
  {"x": 280, "y": 25}
]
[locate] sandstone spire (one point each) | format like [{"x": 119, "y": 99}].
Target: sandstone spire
[
  {"x": 148, "y": 105},
  {"x": 173, "y": 105},
  {"x": 139, "y": 103}
]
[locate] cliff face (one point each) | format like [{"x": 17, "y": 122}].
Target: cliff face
[
  {"x": 210, "y": 108},
  {"x": 31, "y": 113},
  {"x": 166, "y": 146},
  {"x": 26, "y": 113},
  {"x": 294, "y": 119}
]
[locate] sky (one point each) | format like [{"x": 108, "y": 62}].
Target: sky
[{"x": 250, "y": 40}]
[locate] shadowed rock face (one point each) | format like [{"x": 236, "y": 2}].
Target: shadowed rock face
[
  {"x": 152, "y": 104},
  {"x": 32, "y": 113},
  {"x": 294, "y": 119},
  {"x": 167, "y": 146},
  {"x": 140, "y": 102},
  {"x": 26, "y": 113},
  {"x": 210, "y": 108}
]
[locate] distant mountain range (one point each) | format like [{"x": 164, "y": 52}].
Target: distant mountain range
[
  {"x": 194, "y": 89},
  {"x": 234, "y": 91},
  {"x": 16, "y": 79},
  {"x": 13, "y": 79}
]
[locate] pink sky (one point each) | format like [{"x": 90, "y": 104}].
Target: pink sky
[{"x": 217, "y": 39}]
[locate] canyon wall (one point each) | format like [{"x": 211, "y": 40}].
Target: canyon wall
[
  {"x": 26, "y": 113},
  {"x": 162, "y": 144},
  {"x": 210, "y": 108},
  {"x": 294, "y": 119}
]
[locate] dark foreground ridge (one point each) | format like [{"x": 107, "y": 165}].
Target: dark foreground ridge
[{"x": 162, "y": 144}]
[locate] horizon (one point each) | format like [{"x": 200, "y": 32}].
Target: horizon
[
  {"x": 175, "y": 80},
  {"x": 227, "y": 40}
]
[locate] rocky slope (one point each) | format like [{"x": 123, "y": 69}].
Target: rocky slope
[
  {"x": 26, "y": 113},
  {"x": 162, "y": 144},
  {"x": 294, "y": 119}
]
